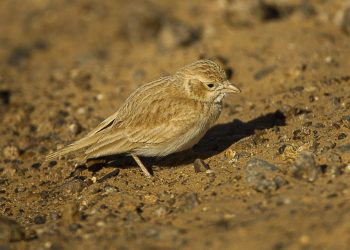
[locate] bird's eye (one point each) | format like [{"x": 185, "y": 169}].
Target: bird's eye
[{"x": 210, "y": 85}]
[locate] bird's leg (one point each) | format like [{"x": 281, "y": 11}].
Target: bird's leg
[{"x": 143, "y": 168}]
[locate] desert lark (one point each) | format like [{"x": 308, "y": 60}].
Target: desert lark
[{"x": 162, "y": 117}]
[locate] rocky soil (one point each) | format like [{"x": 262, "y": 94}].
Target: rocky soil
[{"x": 276, "y": 167}]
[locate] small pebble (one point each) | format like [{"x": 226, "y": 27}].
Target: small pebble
[
  {"x": 210, "y": 172},
  {"x": 319, "y": 125},
  {"x": 261, "y": 183},
  {"x": 75, "y": 128},
  {"x": 81, "y": 110},
  {"x": 305, "y": 167},
  {"x": 74, "y": 227},
  {"x": 262, "y": 73},
  {"x": 139, "y": 74},
  {"x": 261, "y": 164},
  {"x": 176, "y": 33},
  {"x": 100, "y": 97},
  {"x": 10, "y": 153},
  {"x": 342, "y": 136},
  {"x": 47, "y": 244},
  {"x": 261, "y": 175},
  {"x": 55, "y": 216},
  {"x": 281, "y": 149},
  {"x": 150, "y": 199},
  {"x": 73, "y": 186},
  {"x": 110, "y": 189},
  {"x": 36, "y": 165},
  {"x": 200, "y": 166},
  {"x": 190, "y": 200},
  {"x": 20, "y": 189},
  {"x": 52, "y": 164},
  {"x": 5, "y": 96},
  {"x": 329, "y": 59},
  {"x": 160, "y": 212},
  {"x": 39, "y": 219},
  {"x": 100, "y": 223},
  {"x": 347, "y": 169},
  {"x": 279, "y": 181}
]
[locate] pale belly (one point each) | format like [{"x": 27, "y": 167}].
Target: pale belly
[{"x": 185, "y": 141}]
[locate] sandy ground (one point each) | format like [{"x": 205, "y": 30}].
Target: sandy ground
[{"x": 278, "y": 157}]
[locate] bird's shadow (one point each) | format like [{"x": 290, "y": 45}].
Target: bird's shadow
[{"x": 216, "y": 140}]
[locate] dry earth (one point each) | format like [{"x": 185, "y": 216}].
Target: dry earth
[{"x": 278, "y": 158}]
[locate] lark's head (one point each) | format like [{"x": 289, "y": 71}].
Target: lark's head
[{"x": 205, "y": 81}]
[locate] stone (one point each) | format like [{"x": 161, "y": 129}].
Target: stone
[
  {"x": 262, "y": 176},
  {"x": 39, "y": 219},
  {"x": 10, "y": 231},
  {"x": 190, "y": 200},
  {"x": 200, "y": 166},
  {"x": 5, "y": 97},
  {"x": 305, "y": 167},
  {"x": 10, "y": 153},
  {"x": 261, "y": 164}
]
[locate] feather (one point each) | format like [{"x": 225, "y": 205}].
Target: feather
[{"x": 82, "y": 143}]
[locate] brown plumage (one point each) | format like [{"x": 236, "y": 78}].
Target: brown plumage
[{"x": 162, "y": 117}]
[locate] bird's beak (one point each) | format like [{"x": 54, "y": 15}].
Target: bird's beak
[{"x": 231, "y": 88}]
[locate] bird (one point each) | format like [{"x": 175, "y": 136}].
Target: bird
[{"x": 161, "y": 117}]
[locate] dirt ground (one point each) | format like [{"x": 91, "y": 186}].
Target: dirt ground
[{"x": 278, "y": 174}]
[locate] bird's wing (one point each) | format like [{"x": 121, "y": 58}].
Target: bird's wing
[
  {"x": 130, "y": 104},
  {"x": 164, "y": 121},
  {"x": 160, "y": 121},
  {"x": 104, "y": 124}
]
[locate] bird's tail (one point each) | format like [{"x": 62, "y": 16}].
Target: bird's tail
[{"x": 80, "y": 144}]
